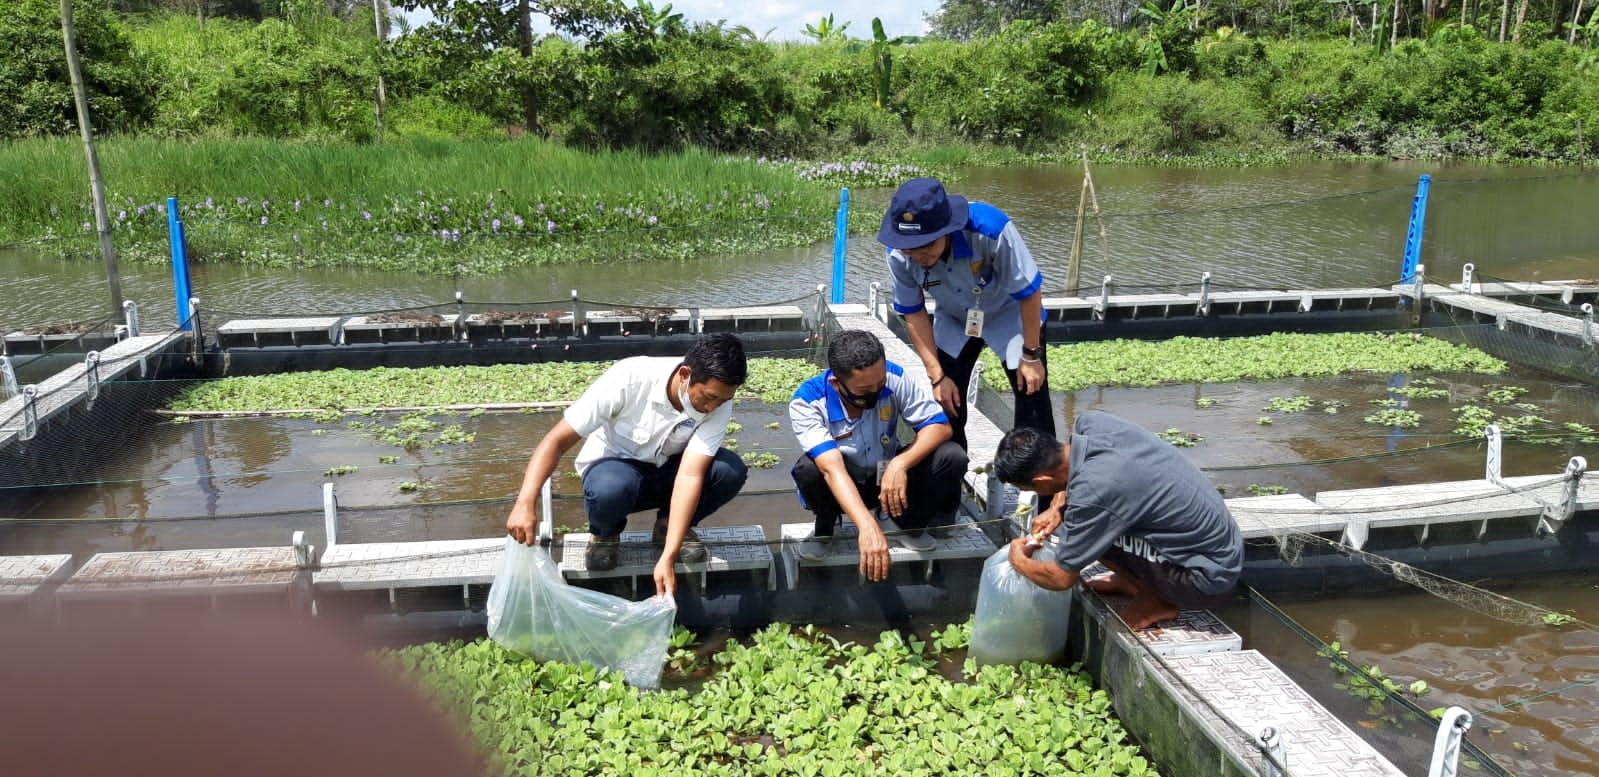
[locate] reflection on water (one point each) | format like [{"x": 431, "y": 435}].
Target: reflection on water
[
  {"x": 1531, "y": 689},
  {"x": 1318, "y": 224},
  {"x": 1345, "y": 226}
]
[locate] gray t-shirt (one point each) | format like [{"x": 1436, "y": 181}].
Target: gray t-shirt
[{"x": 1128, "y": 487}]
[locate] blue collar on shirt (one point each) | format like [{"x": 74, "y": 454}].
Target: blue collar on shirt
[{"x": 958, "y": 247}]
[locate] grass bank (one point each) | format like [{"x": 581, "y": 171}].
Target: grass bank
[{"x": 425, "y": 205}]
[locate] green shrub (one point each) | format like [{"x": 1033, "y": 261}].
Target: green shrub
[
  {"x": 35, "y": 91},
  {"x": 429, "y": 116}
]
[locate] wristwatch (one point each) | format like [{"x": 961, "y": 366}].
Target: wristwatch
[{"x": 1033, "y": 353}]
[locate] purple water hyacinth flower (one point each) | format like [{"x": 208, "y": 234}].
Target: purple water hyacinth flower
[
  {"x": 366, "y": 216},
  {"x": 122, "y": 215},
  {"x": 239, "y": 201},
  {"x": 455, "y": 234},
  {"x": 399, "y": 238},
  {"x": 209, "y": 203},
  {"x": 549, "y": 227},
  {"x": 495, "y": 225},
  {"x": 139, "y": 211},
  {"x": 517, "y": 220},
  {"x": 296, "y": 237},
  {"x": 296, "y": 206},
  {"x": 87, "y": 226},
  {"x": 444, "y": 208},
  {"x": 326, "y": 202},
  {"x": 541, "y": 209},
  {"x": 160, "y": 208},
  {"x": 653, "y": 221},
  {"x": 263, "y": 221}
]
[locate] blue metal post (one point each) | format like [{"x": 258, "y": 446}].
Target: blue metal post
[
  {"x": 840, "y": 238},
  {"x": 1418, "y": 219},
  {"x": 180, "y": 263}
]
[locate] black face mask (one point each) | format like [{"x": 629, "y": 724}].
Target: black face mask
[{"x": 862, "y": 401}]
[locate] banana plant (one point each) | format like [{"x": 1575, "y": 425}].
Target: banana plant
[
  {"x": 883, "y": 61},
  {"x": 825, "y": 29}
]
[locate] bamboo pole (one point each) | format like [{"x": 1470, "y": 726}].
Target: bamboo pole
[{"x": 102, "y": 224}]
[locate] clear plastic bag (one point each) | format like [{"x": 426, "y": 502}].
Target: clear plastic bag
[
  {"x": 534, "y": 612},
  {"x": 1016, "y": 620}
]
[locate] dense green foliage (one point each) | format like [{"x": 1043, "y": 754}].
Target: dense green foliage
[
  {"x": 35, "y": 92},
  {"x": 480, "y": 111},
  {"x": 794, "y": 701},
  {"x": 1266, "y": 357},
  {"x": 1164, "y": 80},
  {"x": 422, "y": 205}
]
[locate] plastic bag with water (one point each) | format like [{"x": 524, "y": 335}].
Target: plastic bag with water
[
  {"x": 1016, "y": 620},
  {"x": 533, "y": 611}
]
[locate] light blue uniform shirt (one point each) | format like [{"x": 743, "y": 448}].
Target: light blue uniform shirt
[
  {"x": 817, "y": 417},
  {"x": 988, "y": 268}
]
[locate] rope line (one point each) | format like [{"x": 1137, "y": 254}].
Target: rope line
[{"x": 1491, "y": 765}]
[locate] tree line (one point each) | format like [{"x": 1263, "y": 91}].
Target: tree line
[{"x": 1396, "y": 77}]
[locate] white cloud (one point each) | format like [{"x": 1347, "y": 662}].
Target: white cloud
[{"x": 787, "y": 20}]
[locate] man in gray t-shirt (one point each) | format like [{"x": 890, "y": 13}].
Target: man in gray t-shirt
[{"x": 1131, "y": 501}]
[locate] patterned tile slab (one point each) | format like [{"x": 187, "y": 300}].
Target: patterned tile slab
[
  {"x": 410, "y": 564},
  {"x": 184, "y": 572},
  {"x": 729, "y": 548},
  {"x": 966, "y": 540},
  {"x": 21, "y": 576},
  {"x": 1193, "y": 631},
  {"x": 1250, "y": 692}
]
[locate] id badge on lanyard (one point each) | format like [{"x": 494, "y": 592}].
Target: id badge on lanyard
[{"x": 974, "y": 316}]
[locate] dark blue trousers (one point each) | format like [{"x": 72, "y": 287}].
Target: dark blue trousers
[{"x": 613, "y": 488}]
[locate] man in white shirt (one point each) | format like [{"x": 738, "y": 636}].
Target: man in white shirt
[{"x": 654, "y": 429}]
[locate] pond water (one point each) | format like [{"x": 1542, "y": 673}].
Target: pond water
[
  {"x": 253, "y": 481},
  {"x": 261, "y": 478}
]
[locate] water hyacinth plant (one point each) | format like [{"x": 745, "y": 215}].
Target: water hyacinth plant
[
  {"x": 464, "y": 207},
  {"x": 326, "y": 394},
  {"x": 793, "y": 701}
]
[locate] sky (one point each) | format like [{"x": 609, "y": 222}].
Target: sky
[{"x": 786, "y": 19}]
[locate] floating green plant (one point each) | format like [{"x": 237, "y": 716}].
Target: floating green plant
[
  {"x": 1266, "y": 357},
  {"x": 791, "y": 701}
]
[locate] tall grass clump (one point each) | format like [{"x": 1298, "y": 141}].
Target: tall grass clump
[{"x": 424, "y": 204}]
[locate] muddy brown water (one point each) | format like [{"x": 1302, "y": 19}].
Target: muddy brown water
[
  {"x": 1305, "y": 225},
  {"x": 252, "y": 481}
]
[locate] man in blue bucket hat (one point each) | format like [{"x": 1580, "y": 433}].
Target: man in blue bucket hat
[{"x": 970, "y": 259}]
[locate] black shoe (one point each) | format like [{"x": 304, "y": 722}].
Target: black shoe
[
  {"x": 692, "y": 552},
  {"x": 601, "y": 553}
]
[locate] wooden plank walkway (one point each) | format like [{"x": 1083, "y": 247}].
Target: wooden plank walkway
[
  {"x": 965, "y": 540},
  {"x": 728, "y": 549},
  {"x": 65, "y": 389},
  {"x": 1221, "y": 302},
  {"x": 207, "y": 572},
  {"x": 23, "y": 577},
  {"x": 392, "y": 565},
  {"x": 1497, "y": 309},
  {"x": 341, "y": 330},
  {"x": 1246, "y": 690}
]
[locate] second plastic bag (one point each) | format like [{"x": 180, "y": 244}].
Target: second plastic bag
[
  {"x": 533, "y": 611},
  {"x": 1016, "y": 620}
]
